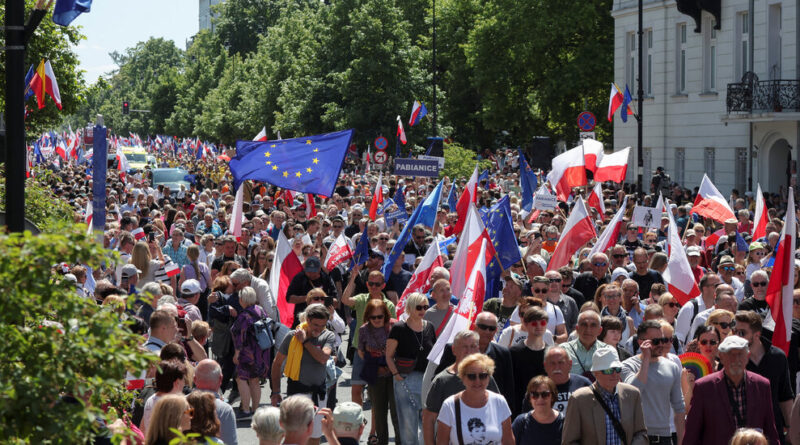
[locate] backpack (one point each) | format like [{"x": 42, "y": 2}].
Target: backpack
[{"x": 263, "y": 330}]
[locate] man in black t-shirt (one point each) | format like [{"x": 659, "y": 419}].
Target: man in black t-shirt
[
  {"x": 632, "y": 241},
  {"x": 228, "y": 254},
  {"x": 643, "y": 276},
  {"x": 310, "y": 277}
]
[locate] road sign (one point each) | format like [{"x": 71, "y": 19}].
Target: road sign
[
  {"x": 380, "y": 157},
  {"x": 586, "y": 121},
  {"x": 416, "y": 167},
  {"x": 587, "y": 135},
  {"x": 381, "y": 143}
]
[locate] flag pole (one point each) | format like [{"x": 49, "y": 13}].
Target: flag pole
[{"x": 640, "y": 92}]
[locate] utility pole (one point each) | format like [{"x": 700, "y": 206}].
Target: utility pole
[
  {"x": 15, "y": 115},
  {"x": 435, "y": 133},
  {"x": 640, "y": 92}
]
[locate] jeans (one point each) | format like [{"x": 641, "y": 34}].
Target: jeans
[
  {"x": 408, "y": 397},
  {"x": 381, "y": 393}
]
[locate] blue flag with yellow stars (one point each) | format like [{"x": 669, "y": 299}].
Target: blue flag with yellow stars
[
  {"x": 309, "y": 164},
  {"x": 501, "y": 232}
]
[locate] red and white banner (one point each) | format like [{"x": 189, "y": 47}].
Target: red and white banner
[
  {"x": 238, "y": 214},
  {"x": 87, "y": 217},
  {"x": 569, "y": 170},
  {"x": 781, "y": 282},
  {"x": 467, "y": 251},
  {"x": 469, "y": 195},
  {"x": 613, "y": 167},
  {"x": 578, "y": 231},
  {"x": 311, "y": 206},
  {"x": 340, "y": 251},
  {"x": 420, "y": 280},
  {"x": 595, "y": 200},
  {"x": 469, "y": 306},
  {"x": 377, "y": 198},
  {"x": 710, "y": 203},
  {"x": 285, "y": 266},
  {"x": 761, "y": 217},
  {"x": 592, "y": 153},
  {"x": 610, "y": 234},
  {"x": 678, "y": 276}
]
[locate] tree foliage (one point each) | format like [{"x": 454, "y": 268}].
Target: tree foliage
[
  {"x": 42, "y": 208},
  {"x": 459, "y": 162}
]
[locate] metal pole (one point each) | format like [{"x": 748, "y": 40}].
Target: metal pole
[
  {"x": 99, "y": 173},
  {"x": 435, "y": 133},
  {"x": 640, "y": 92},
  {"x": 15, "y": 115}
]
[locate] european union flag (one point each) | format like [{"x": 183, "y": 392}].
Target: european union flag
[
  {"x": 400, "y": 198},
  {"x": 528, "y": 182},
  {"x": 309, "y": 164},
  {"x": 401, "y": 242},
  {"x": 501, "y": 232},
  {"x": 451, "y": 197},
  {"x": 483, "y": 176},
  {"x": 429, "y": 207},
  {"x": 361, "y": 254}
]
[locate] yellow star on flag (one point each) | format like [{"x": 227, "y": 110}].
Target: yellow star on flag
[
  {"x": 274, "y": 167},
  {"x": 308, "y": 169},
  {"x": 285, "y": 174},
  {"x": 308, "y": 141},
  {"x": 269, "y": 162},
  {"x": 316, "y": 160},
  {"x": 316, "y": 150},
  {"x": 267, "y": 154},
  {"x": 273, "y": 146}
]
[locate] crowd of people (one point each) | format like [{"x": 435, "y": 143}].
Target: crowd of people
[{"x": 581, "y": 354}]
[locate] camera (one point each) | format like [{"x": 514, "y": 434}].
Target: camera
[{"x": 328, "y": 301}]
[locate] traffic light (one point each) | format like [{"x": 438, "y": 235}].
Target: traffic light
[{"x": 125, "y": 107}]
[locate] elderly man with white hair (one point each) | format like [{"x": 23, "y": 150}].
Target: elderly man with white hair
[{"x": 242, "y": 278}]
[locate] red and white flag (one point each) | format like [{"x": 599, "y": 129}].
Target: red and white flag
[
  {"x": 611, "y": 233},
  {"x": 172, "y": 269},
  {"x": 469, "y": 195},
  {"x": 469, "y": 243},
  {"x": 613, "y": 167},
  {"x": 401, "y": 133},
  {"x": 238, "y": 213},
  {"x": 377, "y": 198},
  {"x": 781, "y": 282},
  {"x": 678, "y": 276},
  {"x": 615, "y": 100},
  {"x": 592, "y": 154},
  {"x": 761, "y": 217},
  {"x": 420, "y": 280},
  {"x": 578, "y": 231},
  {"x": 122, "y": 165},
  {"x": 340, "y": 251},
  {"x": 262, "y": 135},
  {"x": 710, "y": 203},
  {"x": 88, "y": 216},
  {"x": 595, "y": 200},
  {"x": 138, "y": 233},
  {"x": 469, "y": 306},
  {"x": 569, "y": 170},
  {"x": 285, "y": 266},
  {"x": 367, "y": 160},
  {"x": 311, "y": 206}
]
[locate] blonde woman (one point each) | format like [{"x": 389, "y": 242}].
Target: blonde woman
[
  {"x": 140, "y": 257},
  {"x": 723, "y": 321},
  {"x": 171, "y": 412}
]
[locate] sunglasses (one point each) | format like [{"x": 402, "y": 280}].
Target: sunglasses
[
  {"x": 486, "y": 327},
  {"x": 538, "y": 322},
  {"x": 555, "y": 280},
  {"x": 537, "y": 395},
  {"x": 482, "y": 375},
  {"x": 661, "y": 341},
  {"x": 317, "y": 298},
  {"x": 374, "y": 283},
  {"x": 588, "y": 325},
  {"x": 609, "y": 371},
  {"x": 539, "y": 291},
  {"x": 728, "y": 268},
  {"x": 673, "y": 304},
  {"x": 383, "y": 239},
  {"x": 422, "y": 307},
  {"x": 604, "y": 264},
  {"x": 759, "y": 284},
  {"x": 725, "y": 325},
  {"x": 376, "y": 317},
  {"x": 619, "y": 255},
  {"x": 708, "y": 342}
]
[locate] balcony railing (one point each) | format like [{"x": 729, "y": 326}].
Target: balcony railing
[{"x": 752, "y": 94}]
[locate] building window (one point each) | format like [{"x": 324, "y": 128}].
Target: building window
[
  {"x": 742, "y": 44},
  {"x": 648, "y": 84},
  {"x": 647, "y": 159},
  {"x": 741, "y": 169},
  {"x": 630, "y": 72},
  {"x": 775, "y": 42},
  {"x": 680, "y": 60},
  {"x": 680, "y": 164},
  {"x": 708, "y": 162},
  {"x": 709, "y": 55}
]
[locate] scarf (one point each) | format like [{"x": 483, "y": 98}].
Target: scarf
[{"x": 295, "y": 355}]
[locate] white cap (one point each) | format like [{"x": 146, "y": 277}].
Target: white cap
[
  {"x": 191, "y": 287},
  {"x": 732, "y": 342},
  {"x": 605, "y": 358}
]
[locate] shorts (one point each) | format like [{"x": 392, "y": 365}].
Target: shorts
[{"x": 358, "y": 365}]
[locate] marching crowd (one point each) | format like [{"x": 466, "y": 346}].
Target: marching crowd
[{"x": 594, "y": 352}]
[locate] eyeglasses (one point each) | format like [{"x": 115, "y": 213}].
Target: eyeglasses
[
  {"x": 758, "y": 284},
  {"x": 375, "y": 283},
  {"x": 796, "y": 302},
  {"x": 422, "y": 307},
  {"x": 537, "y": 395},
  {"x": 727, "y": 268},
  {"x": 386, "y": 238},
  {"x": 539, "y": 291},
  {"x": 609, "y": 371},
  {"x": 724, "y": 324},
  {"x": 603, "y": 264},
  {"x": 588, "y": 325},
  {"x": 661, "y": 341},
  {"x": 673, "y": 304},
  {"x": 481, "y": 375},
  {"x": 555, "y": 280},
  {"x": 486, "y": 327},
  {"x": 619, "y": 255},
  {"x": 376, "y": 317},
  {"x": 538, "y": 322},
  {"x": 708, "y": 342},
  {"x": 317, "y": 298}
]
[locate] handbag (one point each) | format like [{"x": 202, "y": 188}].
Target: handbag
[{"x": 405, "y": 365}]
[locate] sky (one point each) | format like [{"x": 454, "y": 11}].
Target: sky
[{"x": 114, "y": 25}]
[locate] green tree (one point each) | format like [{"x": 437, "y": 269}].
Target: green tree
[
  {"x": 459, "y": 162},
  {"x": 56, "y": 343},
  {"x": 42, "y": 207}
]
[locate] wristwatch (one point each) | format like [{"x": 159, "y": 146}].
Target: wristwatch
[{"x": 190, "y": 338}]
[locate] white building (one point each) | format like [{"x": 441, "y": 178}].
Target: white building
[
  {"x": 698, "y": 115},
  {"x": 206, "y": 15}
]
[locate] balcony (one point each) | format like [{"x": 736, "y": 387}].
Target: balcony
[{"x": 753, "y": 95}]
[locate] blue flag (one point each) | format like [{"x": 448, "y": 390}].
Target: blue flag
[
  {"x": 484, "y": 175},
  {"x": 626, "y": 101},
  {"x": 501, "y": 232},
  {"x": 429, "y": 207},
  {"x": 451, "y": 198},
  {"x": 400, "y": 198},
  {"x": 401, "y": 242},
  {"x": 28, "y": 89},
  {"x": 528, "y": 183},
  {"x": 741, "y": 244},
  {"x": 361, "y": 254},
  {"x": 68, "y": 10},
  {"x": 38, "y": 152}
]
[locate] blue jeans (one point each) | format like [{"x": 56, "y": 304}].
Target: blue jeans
[{"x": 408, "y": 398}]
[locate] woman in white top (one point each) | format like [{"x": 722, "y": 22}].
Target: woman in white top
[{"x": 476, "y": 414}]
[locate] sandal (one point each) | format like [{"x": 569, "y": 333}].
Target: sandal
[{"x": 373, "y": 439}]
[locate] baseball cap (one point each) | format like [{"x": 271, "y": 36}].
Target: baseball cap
[
  {"x": 514, "y": 278},
  {"x": 312, "y": 265},
  {"x": 129, "y": 270},
  {"x": 348, "y": 416},
  {"x": 692, "y": 251},
  {"x": 732, "y": 342},
  {"x": 605, "y": 358},
  {"x": 191, "y": 287}
]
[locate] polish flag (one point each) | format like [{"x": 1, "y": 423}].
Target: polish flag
[
  {"x": 368, "y": 160},
  {"x": 44, "y": 81},
  {"x": 615, "y": 100},
  {"x": 262, "y": 135},
  {"x": 401, "y": 133},
  {"x": 595, "y": 200},
  {"x": 61, "y": 149},
  {"x": 311, "y": 206},
  {"x": 469, "y": 244},
  {"x": 420, "y": 280},
  {"x": 578, "y": 231},
  {"x": 285, "y": 266},
  {"x": 678, "y": 276},
  {"x": 340, "y": 251},
  {"x": 713, "y": 239},
  {"x": 138, "y": 233},
  {"x": 172, "y": 269},
  {"x": 781, "y": 282},
  {"x": 469, "y": 195},
  {"x": 611, "y": 233},
  {"x": 238, "y": 214},
  {"x": 470, "y": 304},
  {"x": 592, "y": 154},
  {"x": 710, "y": 203},
  {"x": 762, "y": 216},
  {"x": 87, "y": 217},
  {"x": 613, "y": 167},
  {"x": 569, "y": 170},
  {"x": 377, "y": 198}
]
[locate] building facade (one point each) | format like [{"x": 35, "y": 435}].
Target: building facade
[
  {"x": 722, "y": 102},
  {"x": 206, "y": 15}
]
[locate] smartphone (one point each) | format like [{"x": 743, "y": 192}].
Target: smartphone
[
  {"x": 328, "y": 301},
  {"x": 151, "y": 237}
]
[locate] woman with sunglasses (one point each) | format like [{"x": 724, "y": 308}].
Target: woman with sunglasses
[
  {"x": 723, "y": 321},
  {"x": 477, "y": 415},
  {"x": 407, "y": 350},
  {"x": 670, "y": 306},
  {"x": 611, "y": 299},
  {"x": 172, "y": 412},
  {"x": 706, "y": 340},
  {"x": 372, "y": 337},
  {"x": 543, "y": 424}
]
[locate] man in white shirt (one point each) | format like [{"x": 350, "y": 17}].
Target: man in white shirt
[{"x": 691, "y": 309}]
